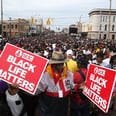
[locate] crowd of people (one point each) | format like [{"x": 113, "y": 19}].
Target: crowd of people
[{"x": 59, "y": 92}]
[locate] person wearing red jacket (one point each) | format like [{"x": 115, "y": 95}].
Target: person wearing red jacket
[{"x": 79, "y": 104}]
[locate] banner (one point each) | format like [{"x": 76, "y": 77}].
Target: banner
[
  {"x": 99, "y": 86},
  {"x": 18, "y": 66}
]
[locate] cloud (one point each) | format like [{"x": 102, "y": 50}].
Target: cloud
[
  {"x": 52, "y": 6},
  {"x": 62, "y": 11}
]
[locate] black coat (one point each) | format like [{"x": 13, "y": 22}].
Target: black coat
[{"x": 52, "y": 106}]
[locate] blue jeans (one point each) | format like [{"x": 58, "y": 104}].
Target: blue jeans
[{"x": 79, "y": 109}]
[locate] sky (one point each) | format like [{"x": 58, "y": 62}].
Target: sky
[{"x": 61, "y": 12}]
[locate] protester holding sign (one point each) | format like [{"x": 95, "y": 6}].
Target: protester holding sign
[
  {"x": 14, "y": 101},
  {"x": 24, "y": 69},
  {"x": 99, "y": 87},
  {"x": 112, "y": 65},
  {"x": 17, "y": 102},
  {"x": 55, "y": 87},
  {"x": 112, "y": 106}
]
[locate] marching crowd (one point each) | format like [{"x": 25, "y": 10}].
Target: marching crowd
[{"x": 59, "y": 92}]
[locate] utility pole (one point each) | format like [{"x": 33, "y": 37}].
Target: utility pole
[
  {"x": 100, "y": 19},
  {"x": 10, "y": 27},
  {"x": 109, "y": 20},
  {"x": 2, "y": 19}
]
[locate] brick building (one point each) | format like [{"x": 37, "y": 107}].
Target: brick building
[{"x": 15, "y": 28}]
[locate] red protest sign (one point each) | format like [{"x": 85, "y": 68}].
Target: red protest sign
[
  {"x": 21, "y": 67},
  {"x": 99, "y": 86}
]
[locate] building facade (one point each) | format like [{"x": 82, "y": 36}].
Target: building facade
[
  {"x": 101, "y": 24},
  {"x": 15, "y": 28}
]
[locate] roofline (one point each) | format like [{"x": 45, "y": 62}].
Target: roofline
[{"x": 102, "y": 10}]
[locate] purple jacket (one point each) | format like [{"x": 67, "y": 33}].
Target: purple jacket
[{"x": 3, "y": 86}]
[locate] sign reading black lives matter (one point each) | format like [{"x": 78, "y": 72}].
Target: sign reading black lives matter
[
  {"x": 99, "y": 85},
  {"x": 18, "y": 66}
]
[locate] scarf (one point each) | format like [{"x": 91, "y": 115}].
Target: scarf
[{"x": 52, "y": 74}]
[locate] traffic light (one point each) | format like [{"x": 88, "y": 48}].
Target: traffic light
[
  {"x": 48, "y": 22},
  {"x": 32, "y": 20}
]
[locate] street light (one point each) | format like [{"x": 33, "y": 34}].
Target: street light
[
  {"x": 109, "y": 19},
  {"x": 10, "y": 27},
  {"x": 99, "y": 34},
  {"x": 80, "y": 18},
  {"x": 2, "y": 19}
]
